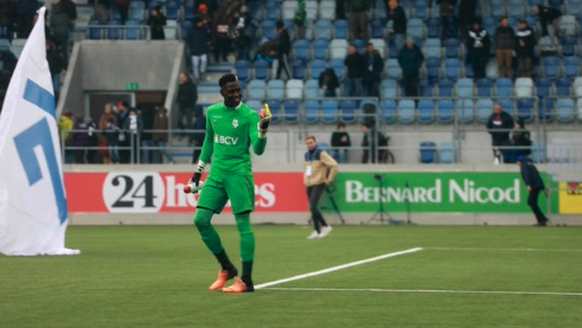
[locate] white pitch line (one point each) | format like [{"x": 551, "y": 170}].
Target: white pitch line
[
  {"x": 426, "y": 291},
  {"x": 503, "y": 249},
  {"x": 337, "y": 268}
]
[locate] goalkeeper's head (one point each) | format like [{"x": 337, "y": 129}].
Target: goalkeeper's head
[{"x": 230, "y": 90}]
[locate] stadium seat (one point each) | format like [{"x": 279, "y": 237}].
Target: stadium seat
[
  {"x": 484, "y": 110},
  {"x": 257, "y": 89},
  {"x": 491, "y": 71},
  {"x": 432, "y": 48},
  {"x": 469, "y": 71},
  {"x": 551, "y": 67},
  {"x": 254, "y": 103},
  {"x": 524, "y": 87},
  {"x": 327, "y": 10},
  {"x": 406, "y": 111},
  {"x": 256, "y": 9},
  {"x": 295, "y": 89},
  {"x": 543, "y": 87},
  {"x": 95, "y": 33},
  {"x": 569, "y": 46},
  {"x": 301, "y": 49},
  {"x": 452, "y": 47},
  {"x": 170, "y": 30},
  {"x": 136, "y": 10},
  {"x": 317, "y": 67},
  {"x": 545, "y": 109},
  {"x": 445, "y": 111},
  {"x": 426, "y": 88},
  {"x": 172, "y": 9},
  {"x": 427, "y": 152},
  {"x": 359, "y": 44},
  {"x": 571, "y": 67},
  {"x": 464, "y": 110},
  {"x": 506, "y": 104},
  {"x": 312, "y": 89},
  {"x": 323, "y": 29},
  {"x": 515, "y": 10},
  {"x": 348, "y": 111},
  {"x": 311, "y": 111},
  {"x": 447, "y": 152},
  {"x": 377, "y": 28},
  {"x": 433, "y": 68},
  {"x": 243, "y": 68},
  {"x": 484, "y": 87},
  {"x": 415, "y": 28},
  {"x": 291, "y": 111},
  {"x": 393, "y": 69},
  {"x": 273, "y": 10},
  {"x": 338, "y": 68},
  {"x": 389, "y": 88},
  {"x": 421, "y": 9},
  {"x": 341, "y": 27},
  {"x": 132, "y": 33},
  {"x": 525, "y": 109},
  {"x": 185, "y": 28},
  {"x": 565, "y": 110},
  {"x": 464, "y": 88},
  {"x": 568, "y": 25},
  {"x": 380, "y": 46},
  {"x": 503, "y": 87},
  {"x": 276, "y": 89},
  {"x": 425, "y": 111},
  {"x": 579, "y": 106},
  {"x": 445, "y": 88},
  {"x": 114, "y": 33},
  {"x": 432, "y": 28},
  {"x": 388, "y": 108},
  {"x": 261, "y": 70},
  {"x": 563, "y": 87},
  {"x": 268, "y": 29},
  {"x": 329, "y": 111},
  {"x": 575, "y": 7},
  {"x": 320, "y": 49},
  {"x": 299, "y": 70},
  {"x": 452, "y": 68},
  {"x": 538, "y": 153}
]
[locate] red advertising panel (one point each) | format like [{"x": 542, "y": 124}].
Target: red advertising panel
[{"x": 153, "y": 192}]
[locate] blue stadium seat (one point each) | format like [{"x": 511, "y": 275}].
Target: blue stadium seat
[
  {"x": 490, "y": 24},
  {"x": 329, "y": 111},
  {"x": 506, "y": 104},
  {"x": 114, "y": 33},
  {"x": 427, "y": 152},
  {"x": 256, "y": 9},
  {"x": 469, "y": 71},
  {"x": 571, "y": 67},
  {"x": 243, "y": 68},
  {"x": 115, "y": 13},
  {"x": 291, "y": 111},
  {"x": 484, "y": 87},
  {"x": 136, "y": 10},
  {"x": 268, "y": 29},
  {"x": 323, "y": 29},
  {"x": 538, "y": 153},
  {"x": 152, "y": 5},
  {"x": 311, "y": 111},
  {"x": 565, "y": 110},
  {"x": 421, "y": 9},
  {"x": 257, "y": 89},
  {"x": 95, "y": 33},
  {"x": 569, "y": 45},
  {"x": 445, "y": 111},
  {"x": 551, "y": 67},
  {"x": 392, "y": 52},
  {"x": 317, "y": 67},
  {"x": 393, "y": 69},
  {"x": 543, "y": 87},
  {"x": 555, "y": 4},
  {"x": 185, "y": 28},
  {"x": 433, "y": 68},
  {"x": 425, "y": 111},
  {"x": 348, "y": 111},
  {"x": 389, "y": 88},
  {"x": 415, "y": 28},
  {"x": 504, "y": 87},
  {"x": 464, "y": 88},
  {"x": 452, "y": 48},
  {"x": 301, "y": 49},
  {"x": 406, "y": 111},
  {"x": 484, "y": 110},
  {"x": 320, "y": 49},
  {"x": 276, "y": 89},
  {"x": 311, "y": 89},
  {"x": 253, "y": 103},
  {"x": 432, "y": 48},
  {"x": 338, "y": 68},
  {"x": 132, "y": 33},
  {"x": 432, "y": 27},
  {"x": 426, "y": 88},
  {"x": 360, "y": 44},
  {"x": 172, "y": 9},
  {"x": 563, "y": 87},
  {"x": 377, "y": 28},
  {"x": 575, "y": 7},
  {"x": 261, "y": 69},
  {"x": 275, "y": 107},
  {"x": 452, "y": 68},
  {"x": 388, "y": 108},
  {"x": 546, "y": 109},
  {"x": 464, "y": 110},
  {"x": 498, "y": 10},
  {"x": 446, "y": 88},
  {"x": 290, "y": 26},
  {"x": 341, "y": 27},
  {"x": 189, "y": 9},
  {"x": 525, "y": 109},
  {"x": 273, "y": 10},
  {"x": 447, "y": 152}
]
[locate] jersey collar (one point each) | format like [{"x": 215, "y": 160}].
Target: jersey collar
[{"x": 234, "y": 108}]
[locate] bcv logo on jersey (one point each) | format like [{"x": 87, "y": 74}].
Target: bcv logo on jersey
[{"x": 230, "y": 141}]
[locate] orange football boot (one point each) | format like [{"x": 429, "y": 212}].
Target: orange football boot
[
  {"x": 238, "y": 287},
  {"x": 223, "y": 277}
]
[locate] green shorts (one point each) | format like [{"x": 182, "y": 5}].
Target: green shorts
[{"x": 218, "y": 189}]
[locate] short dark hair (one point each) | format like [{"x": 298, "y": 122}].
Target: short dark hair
[
  {"x": 341, "y": 125},
  {"x": 227, "y": 78},
  {"x": 312, "y": 137},
  {"x": 280, "y": 24},
  {"x": 502, "y": 18}
]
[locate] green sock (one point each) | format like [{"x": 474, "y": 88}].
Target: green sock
[
  {"x": 207, "y": 231},
  {"x": 247, "y": 238}
]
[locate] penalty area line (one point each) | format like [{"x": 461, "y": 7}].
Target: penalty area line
[
  {"x": 424, "y": 291},
  {"x": 337, "y": 268}
]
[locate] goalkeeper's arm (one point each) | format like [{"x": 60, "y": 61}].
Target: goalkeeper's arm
[
  {"x": 258, "y": 135},
  {"x": 206, "y": 154}
]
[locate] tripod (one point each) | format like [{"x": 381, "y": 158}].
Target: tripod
[
  {"x": 381, "y": 213},
  {"x": 334, "y": 204}
]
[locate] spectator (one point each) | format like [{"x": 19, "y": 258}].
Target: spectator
[
  {"x": 122, "y": 118},
  {"x": 466, "y": 16},
  {"x": 447, "y": 13},
  {"x": 504, "y": 44},
  {"x": 283, "y": 49},
  {"x": 358, "y": 19},
  {"x": 7, "y": 19},
  {"x": 108, "y": 114},
  {"x": 340, "y": 9},
  {"x": 148, "y": 156},
  {"x": 410, "y": 59},
  {"x": 101, "y": 9},
  {"x": 186, "y": 99},
  {"x": 328, "y": 82},
  {"x": 56, "y": 65},
  {"x": 205, "y": 16},
  {"x": 123, "y": 6},
  {"x": 221, "y": 38},
  {"x": 246, "y": 31},
  {"x": 161, "y": 124},
  {"x": 478, "y": 45},
  {"x": 300, "y": 19},
  {"x": 93, "y": 140},
  {"x": 340, "y": 142},
  {"x": 499, "y": 126},
  {"x": 374, "y": 65},
  {"x": 197, "y": 138},
  {"x": 61, "y": 26},
  {"x": 355, "y": 63},
  {"x": 547, "y": 16},
  {"x": 8, "y": 61},
  {"x": 70, "y": 8},
  {"x": 81, "y": 140},
  {"x": 66, "y": 124},
  {"x": 157, "y": 21},
  {"x": 134, "y": 127},
  {"x": 521, "y": 140},
  {"x": 197, "y": 42},
  {"x": 372, "y": 140},
  {"x": 25, "y": 11},
  {"x": 112, "y": 134},
  {"x": 526, "y": 42},
  {"x": 267, "y": 52},
  {"x": 395, "y": 13}
]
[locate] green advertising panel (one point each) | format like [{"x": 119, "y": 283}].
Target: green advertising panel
[{"x": 434, "y": 192}]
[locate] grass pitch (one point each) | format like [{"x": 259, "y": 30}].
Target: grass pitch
[{"x": 158, "y": 277}]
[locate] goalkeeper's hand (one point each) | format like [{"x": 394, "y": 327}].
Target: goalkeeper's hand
[
  {"x": 198, "y": 173},
  {"x": 266, "y": 117}
]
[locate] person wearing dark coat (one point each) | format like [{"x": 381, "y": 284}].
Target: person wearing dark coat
[
  {"x": 340, "y": 142},
  {"x": 246, "y": 30},
  {"x": 504, "y": 40},
  {"x": 466, "y": 16},
  {"x": 410, "y": 59},
  {"x": 56, "y": 64},
  {"x": 373, "y": 67},
  {"x": 502, "y": 121},
  {"x": 524, "y": 48},
  {"x": 220, "y": 29},
  {"x": 354, "y": 62},
  {"x": 7, "y": 18},
  {"x": 396, "y": 14},
  {"x": 535, "y": 185},
  {"x": 61, "y": 26},
  {"x": 8, "y": 60},
  {"x": 447, "y": 14},
  {"x": 520, "y": 139},
  {"x": 328, "y": 82},
  {"x": 370, "y": 143},
  {"x": 358, "y": 10},
  {"x": 478, "y": 46},
  {"x": 197, "y": 42},
  {"x": 157, "y": 21},
  {"x": 547, "y": 16},
  {"x": 69, "y": 8},
  {"x": 161, "y": 124},
  {"x": 81, "y": 140},
  {"x": 283, "y": 49},
  {"x": 25, "y": 11},
  {"x": 186, "y": 99}
]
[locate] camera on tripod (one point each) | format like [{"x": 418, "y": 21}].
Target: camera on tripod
[{"x": 379, "y": 177}]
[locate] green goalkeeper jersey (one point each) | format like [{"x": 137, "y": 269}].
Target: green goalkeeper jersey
[{"x": 230, "y": 132}]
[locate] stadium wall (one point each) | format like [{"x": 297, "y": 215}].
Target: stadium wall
[{"x": 428, "y": 195}]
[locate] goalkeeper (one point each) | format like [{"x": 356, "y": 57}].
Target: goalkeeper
[{"x": 231, "y": 129}]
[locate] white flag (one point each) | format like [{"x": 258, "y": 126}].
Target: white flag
[{"x": 33, "y": 202}]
